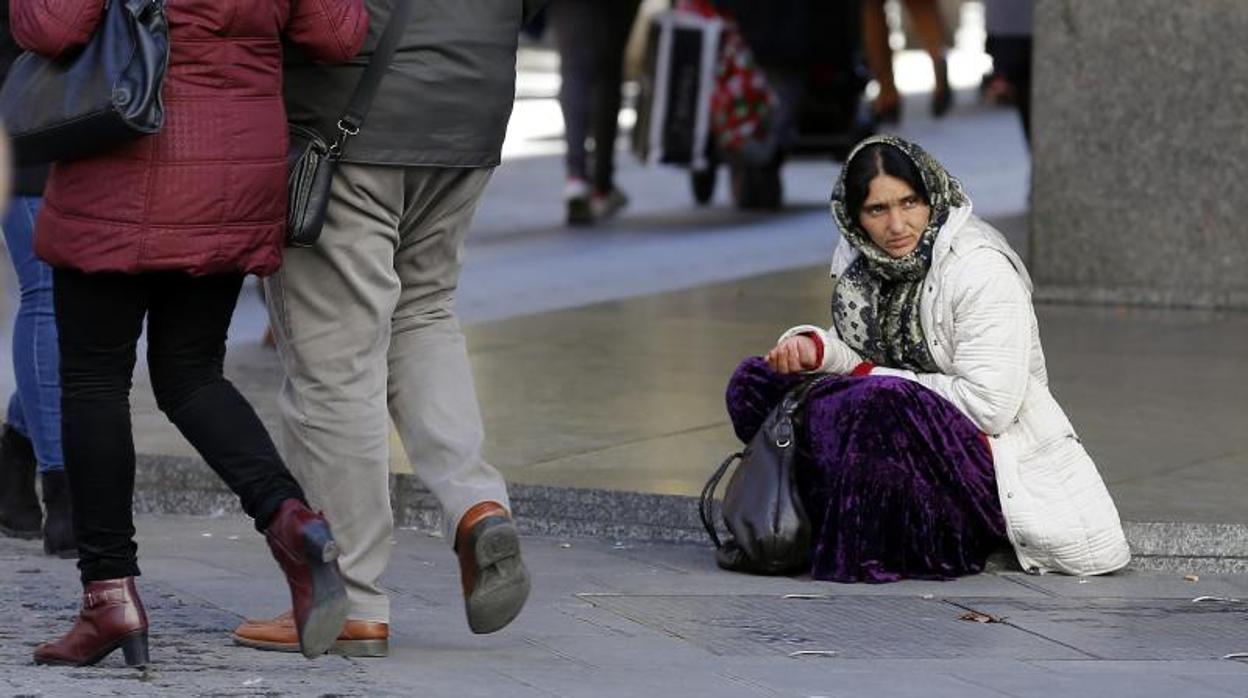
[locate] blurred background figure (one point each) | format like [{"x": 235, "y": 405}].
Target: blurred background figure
[
  {"x": 591, "y": 36},
  {"x": 1009, "y": 43},
  {"x": 31, "y": 439},
  {"x": 929, "y": 27}
]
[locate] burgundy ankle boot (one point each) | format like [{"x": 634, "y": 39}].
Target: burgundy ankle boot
[
  {"x": 112, "y": 616},
  {"x": 304, "y": 547}
]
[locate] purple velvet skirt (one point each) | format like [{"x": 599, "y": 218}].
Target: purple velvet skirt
[{"x": 897, "y": 482}]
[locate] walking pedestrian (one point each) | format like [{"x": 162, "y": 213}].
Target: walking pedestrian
[
  {"x": 935, "y": 439},
  {"x": 365, "y": 320},
  {"x": 30, "y": 442},
  {"x": 592, "y": 36},
  {"x": 165, "y": 228}
]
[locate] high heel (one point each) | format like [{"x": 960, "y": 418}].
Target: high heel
[
  {"x": 304, "y": 547},
  {"x": 112, "y": 617},
  {"x": 135, "y": 650}
]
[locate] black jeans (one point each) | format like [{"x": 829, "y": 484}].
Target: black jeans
[
  {"x": 100, "y": 318},
  {"x": 592, "y": 36}
]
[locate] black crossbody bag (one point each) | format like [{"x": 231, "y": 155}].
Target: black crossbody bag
[{"x": 312, "y": 160}]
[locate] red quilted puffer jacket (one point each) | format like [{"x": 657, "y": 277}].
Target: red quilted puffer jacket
[{"x": 207, "y": 194}]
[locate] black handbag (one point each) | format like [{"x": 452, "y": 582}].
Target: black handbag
[
  {"x": 103, "y": 95},
  {"x": 768, "y": 530},
  {"x": 312, "y": 160}
]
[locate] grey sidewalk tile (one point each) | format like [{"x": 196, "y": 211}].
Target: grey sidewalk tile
[
  {"x": 1235, "y": 671},
  {"x": 1094, "y": 682},
  {"x": 852, "y": 627},
  {"x": 641, "y": 680},
  {"x": 1134, "y": 628},
  {"x": 1233, "y": 683},
  {"x": 1138, "y": 584}
]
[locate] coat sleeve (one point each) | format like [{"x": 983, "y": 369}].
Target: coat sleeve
[
  {"x": 331, "y": 31},
  {"x": 991, "y": 342},
  {"x": 53, "y": 28}
]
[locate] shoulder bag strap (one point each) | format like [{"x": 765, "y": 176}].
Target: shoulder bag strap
[{"x": 362, "y": 98}]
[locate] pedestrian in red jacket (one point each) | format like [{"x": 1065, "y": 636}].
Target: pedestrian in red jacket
[{"x": 166, "y": 227}]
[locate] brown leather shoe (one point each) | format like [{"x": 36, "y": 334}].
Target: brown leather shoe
[
  {"x": 303, "y": 545},
  {"x": 359, "y": 638},
  {"x": 495, "y": 581},
  {"x": 112, "y": 616}
]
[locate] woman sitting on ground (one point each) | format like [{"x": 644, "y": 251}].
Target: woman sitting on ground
[{"x": 938, "y": 439}]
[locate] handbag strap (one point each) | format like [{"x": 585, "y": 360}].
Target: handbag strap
[
  {"x": 706, "y": 503},
  {"x": 366, "y": 89},
  {"x": 794, "y": 400}
]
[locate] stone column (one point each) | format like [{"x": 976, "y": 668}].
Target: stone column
[{"x": 1140, "y": 153}]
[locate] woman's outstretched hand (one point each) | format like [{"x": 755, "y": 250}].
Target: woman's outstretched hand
[{"x": 794, "y": 355}]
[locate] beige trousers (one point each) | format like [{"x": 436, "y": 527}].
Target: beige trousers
[{"x": 366, "y": 332}]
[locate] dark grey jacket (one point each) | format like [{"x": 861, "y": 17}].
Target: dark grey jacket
[{"x": 447, "y": 96}]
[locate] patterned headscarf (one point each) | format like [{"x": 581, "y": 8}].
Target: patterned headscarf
[{"x": 875, "y": 306}]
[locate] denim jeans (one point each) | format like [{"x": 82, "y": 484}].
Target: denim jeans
[{"x": 35, "y": 408}]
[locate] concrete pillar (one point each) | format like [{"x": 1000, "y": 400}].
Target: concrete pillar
[{"x": 1140, "y": 153}]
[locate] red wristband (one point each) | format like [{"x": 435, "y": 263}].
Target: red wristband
[
  {"x": 862, "y": 369},
  {"x": 818, "y": 348}
]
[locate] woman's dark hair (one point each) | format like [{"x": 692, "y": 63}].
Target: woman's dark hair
[{"x": 872, "y": 161}]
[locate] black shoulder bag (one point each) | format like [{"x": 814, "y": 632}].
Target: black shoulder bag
[
  {"x": 312, "y": 160},
  {"x": 769, "y": 532},
  {"x": 103, "y": 95}
]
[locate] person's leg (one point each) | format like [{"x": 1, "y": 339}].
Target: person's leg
[
  {"x": 899, "y": 484},
  {"x": 189, "y": 318},
  {"x": 431, "y": 394},
  {"x": 929, "y": 27},
  {"x": 331, "y": 307},
  {"x": 36, "y": 367},
  {"x": 574, "y": 25},
  {"x": 35, "y": 356},
  {"x": 613, "y": 28},
  {"x": 99, "y": 319},
  {"x": 19, "y": 505},
  {"x": 188, "y": 321},
  {"x": 879, "y": 57},
  {"x": 433, "y": 400}
]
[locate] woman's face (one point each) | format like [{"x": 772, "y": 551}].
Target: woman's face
[{"x": 894, "y": 215}]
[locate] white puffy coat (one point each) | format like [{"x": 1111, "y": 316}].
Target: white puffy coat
[{"x": 982, "y": 332}]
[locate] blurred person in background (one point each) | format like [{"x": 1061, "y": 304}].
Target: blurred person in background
[
  {"x": 163, "y": 228},
  {"x": 1009, "y": 43},
  {"x": 31, "y": 440},
  {"x": 929, "y": 26},
  {"x": 592, "y": 36}
]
